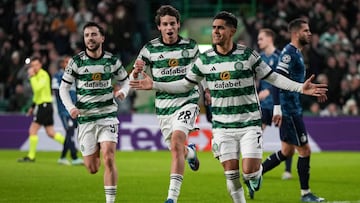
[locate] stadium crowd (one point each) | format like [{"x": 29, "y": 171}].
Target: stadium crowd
[{"x": 52, "y": 29}]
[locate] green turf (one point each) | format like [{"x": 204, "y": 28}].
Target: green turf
[{"x": 144, "y": 176}]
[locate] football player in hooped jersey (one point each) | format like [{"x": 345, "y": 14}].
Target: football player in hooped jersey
[
  {"x": 92, "y": 71},
  {"x": 169, "y": 57},
  {"x": 230, "y": 71},
  {"x": 293, "y": 134}
]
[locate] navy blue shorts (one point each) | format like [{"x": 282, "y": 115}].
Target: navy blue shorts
[
  {"x": 292, "y": 130},
  {"x": 266, "y": 116}
]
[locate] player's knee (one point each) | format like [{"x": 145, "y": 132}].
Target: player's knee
[
  {"x": 177, "y": 149},
  {"x": 304, "y": 151},
  {"x": 288, "y": 153},
  {"x": 255, "y": 174},
  {"x": 92, "y": 167},
  {"x": 109, "y": 160}
]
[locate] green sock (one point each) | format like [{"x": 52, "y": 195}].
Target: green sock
[
  {"x": 59, "y": 138},
  {"x": 33, "y": 141}
]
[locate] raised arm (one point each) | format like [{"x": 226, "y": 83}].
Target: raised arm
[{"x": 308, "y": 88}]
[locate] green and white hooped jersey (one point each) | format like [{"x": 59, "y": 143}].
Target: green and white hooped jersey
[
  {"x": 231, "y": 80},
  {"x": 170, "y": 63},
  {"x": 93, "y": 79}
]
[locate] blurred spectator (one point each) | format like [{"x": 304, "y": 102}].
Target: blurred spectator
[
  {"x": 82, "y": 16},
  {"x": 331, "y": 110},
  {"x": 316, "y": 16},
  {"x": 315, "y": 54},
  {"x": 14, "y": 67},
  {"x": 124, "y": 29},
  {"x": 314, "y": 109},
  {"x": 38, "y": 6},
  {"x": 5, "y": 57},
  {"x": 355, "y": 89},
  {"x": 329, "y": 38},
  {"x": 64, "y": 19},
  {"x": 345, "y": 91},
  {"x": 351, "y": 108},
  {"x": 18, "y": 101},
  {"x": 333, "y": 73}
]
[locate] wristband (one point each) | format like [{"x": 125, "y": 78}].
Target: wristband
[{"x": 277, "y": 110}]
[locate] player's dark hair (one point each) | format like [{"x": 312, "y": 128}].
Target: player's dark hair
[
  {"x": 93, "y": 24},
  {"x": 296, "y": 24},
  {"x": 229, "y": 18},
  {"x": 35, "y": 58},
  {"x": 166, "y": 10}
]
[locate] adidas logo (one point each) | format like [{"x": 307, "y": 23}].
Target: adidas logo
[
  {"x": 213, "y": 68},
  {"x": 86, "y": 70},
  {"x": 161, "y": 56}
]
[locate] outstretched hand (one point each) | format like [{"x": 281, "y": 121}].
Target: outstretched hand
[
  {"x": 317, "y": 90},
  {"x": 144, "y": 84}
]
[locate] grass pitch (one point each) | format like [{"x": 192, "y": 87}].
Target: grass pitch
[{"x": 144, "y": 176}]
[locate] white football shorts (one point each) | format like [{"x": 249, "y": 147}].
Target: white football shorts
[
  {"x": 92, "y": 133},
  {"x": 183, "y": 119},
  {"x": 227, "y": 144}
]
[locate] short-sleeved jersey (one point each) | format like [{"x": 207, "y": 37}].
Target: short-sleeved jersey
[
  {"x": 170, "y": 63},
  {"x": 56, "y": 80},
  {"x": 41, "y": 87},
  {"x": 231, "y": 80},
  {"x": 291, "y": 65},
  {"x": 94, "y": 89},
  {"x": 272, "y": 61}
]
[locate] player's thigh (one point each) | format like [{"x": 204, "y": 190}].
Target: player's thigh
[
  {"x": 251, "y": 143},
  {"x": 108, "y": 133},
  {"x": 87, "y": 138},
  {"x": 183, "y": 120},
  {"x": 292, "y": 130},
  {"x": 108, "y": 149},
  {"x": 225, "y": 145}
]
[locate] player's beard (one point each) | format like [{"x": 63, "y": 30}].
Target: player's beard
[
  {"x": 95, "y": 47},
  {"x": 304, "y": 41}
]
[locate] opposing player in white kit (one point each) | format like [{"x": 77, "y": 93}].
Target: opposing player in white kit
[
  {"x": 92, "y": 71},
  {"x": 169, "y": 57},
  {"x": 230, "y": 71}
]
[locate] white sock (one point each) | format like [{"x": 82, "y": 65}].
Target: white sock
[
  {"x": 175, "y": 186},
  {"x": 110, "y": 193},
  {"x": 234, "y": 186},
  {"x": 304, "y": 192}
]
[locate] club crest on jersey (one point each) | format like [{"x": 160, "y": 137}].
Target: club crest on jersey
[
  {"x": 185, "y": 53},
  {"x": 238, "y": 66},
  {"x": 173, "y": 62},
  {"x": 96, "y": 76},
  {"x": 107, "y": 68},
  {"x": 225, "y": 75},
  {"x": 286, "y": 58}
]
